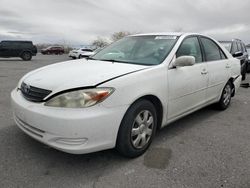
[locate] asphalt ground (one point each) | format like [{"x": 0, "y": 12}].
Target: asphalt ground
[{"x": 208, "y": 148}]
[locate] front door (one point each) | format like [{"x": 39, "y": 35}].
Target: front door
[{"x": 188, "y": 84}]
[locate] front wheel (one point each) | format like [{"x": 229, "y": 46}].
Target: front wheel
[
  {"x": 137, "y": 129},
  {"x": 225, "y": 98}
]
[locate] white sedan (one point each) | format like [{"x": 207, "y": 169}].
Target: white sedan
[
  {"x": 81, "y": 53},
  {"x": 124, "y": 93}
]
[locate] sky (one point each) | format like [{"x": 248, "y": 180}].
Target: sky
[{"x": 75, "y": 22}]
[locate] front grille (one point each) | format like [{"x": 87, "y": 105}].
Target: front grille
[{"x": 33, "y": 93}]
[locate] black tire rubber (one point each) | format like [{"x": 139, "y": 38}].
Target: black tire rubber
[
  {"x": 26, "y": 56},
  {"x": 243, "y": 76},
  {"x": 123, "y": 143},
  {"x": 221, "y": 105}
]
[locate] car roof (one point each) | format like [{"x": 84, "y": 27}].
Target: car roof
[
  {"x": 230, "y": 40},
  {"x": 17, "y": 41},
  {"x": 54, "y": 47},
  {"x": 167, "y": 33}
]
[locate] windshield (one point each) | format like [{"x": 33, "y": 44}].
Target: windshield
[
  {"x": 143, "y": 50},
  {"x": 227, "y": 45}
]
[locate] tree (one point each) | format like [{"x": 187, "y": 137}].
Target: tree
[
  {"x": 119, "y": 35},
  {"x": 100, "y": 42}
]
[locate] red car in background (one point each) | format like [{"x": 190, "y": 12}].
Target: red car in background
[{"x": 53, "y": 50}]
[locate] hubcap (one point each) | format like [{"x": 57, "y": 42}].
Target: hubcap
[
  {"x": 227, "y": 95},
  {"x": 142, "y": 129}
]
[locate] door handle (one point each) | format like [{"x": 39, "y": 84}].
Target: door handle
[{"x": 228, "y": 66}]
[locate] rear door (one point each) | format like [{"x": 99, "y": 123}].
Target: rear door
[
  {"x": 187, "y": 85},
  {"x": 218, "y": 68}
]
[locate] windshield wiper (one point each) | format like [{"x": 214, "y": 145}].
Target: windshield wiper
[
  {"x": 119, "y": 61},
  {"x": 113, "y": 60}
]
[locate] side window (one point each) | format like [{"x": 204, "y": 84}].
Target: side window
[
  {"x": 239, "y": 47},
  {"x": 234, "y": 48},
  {"x": 222, "y": 55},
  {"x": 212, "y": 51},
  {"x": 190, "y": 47},
  {"x": 243, "y": 47}
]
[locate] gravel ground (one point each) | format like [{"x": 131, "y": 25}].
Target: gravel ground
[{"x": 208, "y": 148}]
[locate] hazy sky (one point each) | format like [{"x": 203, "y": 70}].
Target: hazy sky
[{"x": 81, "y": 21}]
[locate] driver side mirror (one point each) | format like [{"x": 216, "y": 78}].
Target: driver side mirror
[
  {"x": 183, "y": 61},
  {"x": 238, "y": 54}
]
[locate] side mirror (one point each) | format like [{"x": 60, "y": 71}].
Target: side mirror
[
  {"x": 238, "y": 54},
  {"x": 183, "y": 61}
]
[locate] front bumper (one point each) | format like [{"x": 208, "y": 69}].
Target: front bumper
[{"x": 74, "y": 131}]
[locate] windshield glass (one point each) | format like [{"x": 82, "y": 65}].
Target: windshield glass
[
  {"x": 227, "y": 45},
  {"x": 143, "y": 50}
]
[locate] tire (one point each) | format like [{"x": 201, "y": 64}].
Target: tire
[
  {"x": 141, "y": 119},
  {"x": 243, "y": 76},
  {"x": 80, "y": 56},
  {"x": 26, "y": 56},
  {"x": 244, "y": 72},
  {"x": 225, "y": 98}
]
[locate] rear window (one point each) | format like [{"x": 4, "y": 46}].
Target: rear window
[
  {"x": 17, "y": 43},
  {"x": 87, "y": 50}
]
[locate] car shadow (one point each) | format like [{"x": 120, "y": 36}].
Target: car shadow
[
  {"x": 188, "y": 122},
  {"x": 12, "y": 59}
]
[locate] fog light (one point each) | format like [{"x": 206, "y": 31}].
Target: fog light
[{"x": 71, "y": 141}]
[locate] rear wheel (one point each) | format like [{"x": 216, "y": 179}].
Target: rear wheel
[
  {"x": 26, "y": 56},
  {"x": 225, "y": 98},
  {"x": 137, "y": 129}
]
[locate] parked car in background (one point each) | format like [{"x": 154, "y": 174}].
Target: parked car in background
[
  {"x": 22, "y": 49},
  {"x": 81, "y": 53},
  {"x": 57, "y": 50},
  {"x": 119, "y": 97},
  {"x": 248, "y": 64},
  {"x": 238, "y": 49}
]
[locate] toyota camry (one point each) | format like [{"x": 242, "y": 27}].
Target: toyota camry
[{"x": 122, "y": 95}]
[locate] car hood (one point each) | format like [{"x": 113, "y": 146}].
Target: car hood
[{"x": 77, "y": 73}]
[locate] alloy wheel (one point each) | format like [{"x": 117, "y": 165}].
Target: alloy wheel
[
  {"x": 142, "y": 129},
  {"x": 227, "y": 95}
]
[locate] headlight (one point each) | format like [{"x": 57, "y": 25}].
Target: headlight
[{"x": 80, "y": 98}]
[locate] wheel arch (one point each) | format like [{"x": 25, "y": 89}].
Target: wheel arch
[
  {"x": 231, "y": 80},
  {"x": 157, "y": 104},
  {"x": 23, "y": 51}
]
